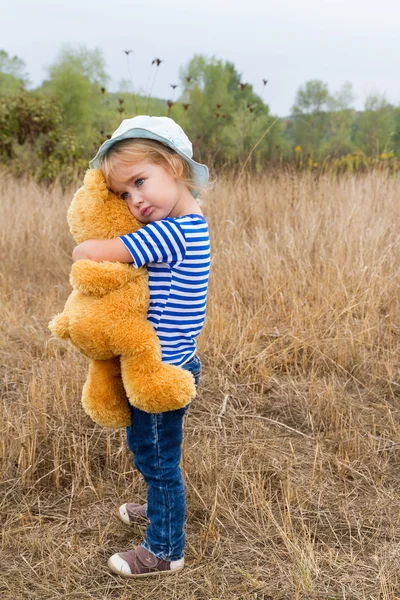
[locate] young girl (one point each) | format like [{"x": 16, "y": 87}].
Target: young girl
[{"x": 148, "y": 163}]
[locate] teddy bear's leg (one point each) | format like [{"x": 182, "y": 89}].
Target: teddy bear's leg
[
  {"x": 59, "y": 326},
  {"x": 154, "y": 386},
  {"x": 103, "y": 395}
]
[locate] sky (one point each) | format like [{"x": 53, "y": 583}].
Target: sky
[{"x": 285, "y": 41}]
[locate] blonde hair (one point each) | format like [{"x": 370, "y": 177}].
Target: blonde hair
[{"x": 132, "y": 150}]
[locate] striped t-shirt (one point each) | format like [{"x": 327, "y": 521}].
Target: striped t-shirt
[{"x": 177, "y": 254}]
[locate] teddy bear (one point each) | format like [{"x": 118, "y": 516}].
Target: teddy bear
[{"x": 105, "y": 319}]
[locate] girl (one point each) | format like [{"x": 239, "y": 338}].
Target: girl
[{"x": 148, "y": 163}]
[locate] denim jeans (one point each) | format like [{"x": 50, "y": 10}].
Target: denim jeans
[{"x": 155, "y": 440}]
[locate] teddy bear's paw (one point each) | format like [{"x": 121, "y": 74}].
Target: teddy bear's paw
[
  {"x": 103, "y": 396},
  {"x": 59, "y": 326},
  {"x": 163, "y": 388},
  {"x": 106, "y": 417},
  {"x": 99, "y": 278}
]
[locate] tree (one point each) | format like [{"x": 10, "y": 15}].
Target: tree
[
  {"x": 225, "y": 117},
  {"x": 396, "y": 131},
  {"x": 374, "y": 127},
  {"x": 13, "y": 77},
  {"x": 75, "y": 83},
  {"x": 343, "y": 99},
  {"x": 340, "y": 122},
  {"x": 310, "y": 119},
  {"x": 311, "y": 98}
]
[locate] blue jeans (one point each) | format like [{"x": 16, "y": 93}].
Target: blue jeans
[{"x": 155, "y": 440}]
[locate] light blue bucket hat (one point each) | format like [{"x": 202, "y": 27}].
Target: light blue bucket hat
[{"x": 161, "y": 129}]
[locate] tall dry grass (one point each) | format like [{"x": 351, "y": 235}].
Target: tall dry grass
[{"x": 291, "y": 451}]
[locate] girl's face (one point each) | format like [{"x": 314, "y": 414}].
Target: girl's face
[{"x": 151, "y": 192}]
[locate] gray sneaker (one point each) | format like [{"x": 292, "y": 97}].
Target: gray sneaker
[{"x": 131, "y": 513}]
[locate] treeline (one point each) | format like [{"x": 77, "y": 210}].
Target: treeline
[{"x": 52, "y": 131}]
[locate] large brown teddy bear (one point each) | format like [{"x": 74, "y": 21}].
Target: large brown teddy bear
[{"x": 105, "y": 318}]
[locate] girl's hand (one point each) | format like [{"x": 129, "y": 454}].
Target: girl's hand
[{"x": 99, "y": 250}]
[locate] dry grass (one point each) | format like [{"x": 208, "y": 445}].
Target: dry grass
[{"x": 291, "y": 452}]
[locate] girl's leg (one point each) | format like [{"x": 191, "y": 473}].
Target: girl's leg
[{"x": 158, "y": 440}]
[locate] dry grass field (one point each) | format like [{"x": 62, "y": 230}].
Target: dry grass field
[{"x": 292, "y": 447}]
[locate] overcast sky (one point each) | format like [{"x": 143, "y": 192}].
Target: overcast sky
[{"x": 287, "y": 42}]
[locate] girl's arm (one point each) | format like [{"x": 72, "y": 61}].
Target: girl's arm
[
  {"x": 159, "y": 241},
  {"x": 100, "y": 250}
]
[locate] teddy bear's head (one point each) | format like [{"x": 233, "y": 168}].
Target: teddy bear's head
[{"x": 97, "y": 213}]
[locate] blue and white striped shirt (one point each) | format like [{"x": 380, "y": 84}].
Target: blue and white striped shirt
[{"x": 177, "y": 254}]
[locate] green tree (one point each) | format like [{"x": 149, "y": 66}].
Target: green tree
[
  {"x": 310, "y": 116},
  {"x": 225, "y": 117},
  {"x": 340, "y": 122},
  {"x": 374, "y": 127},
  {"x": 312, "y": 97},
  {"x": 75, "y": 82},
  {"x": 13, "y": 77},
  {"x": 396, "y": 131}
]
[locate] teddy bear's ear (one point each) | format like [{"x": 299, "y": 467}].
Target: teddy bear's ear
[
  {"x": 97, "y": 213},
  {"x": 95, "y": 184}
]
